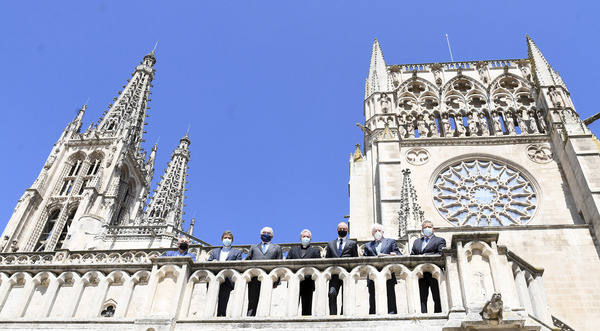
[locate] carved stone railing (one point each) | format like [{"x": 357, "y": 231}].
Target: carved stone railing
[{"x": 126, "y": 287}]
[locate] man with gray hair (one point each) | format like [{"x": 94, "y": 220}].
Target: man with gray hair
[
  {"x": 307, "y": 285},
  {"x": 381, "y": 246},
  {"x": 429, "y": 244},
  {"x": 265, "y": 250}
]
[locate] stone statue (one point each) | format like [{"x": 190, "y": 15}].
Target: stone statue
[
  {"x": 492, "y": 310},
  {"x": 473, "y": 125},
  {"x": 402, "y": 126},
  {"x": 436, "y": 68},
  {"x": 482, "y": 71},
  {"x": 14, "y": 246},
  {"x": 509, "y": 122},
  {"x": 432, "y": 127},
  {"x": 447, "y": 131},
  {"x": 384, "y": 102},
  {"x": 460, "y": 126},
  {"x": 541, "y": 120},
  {"x": 410, "y": 126},
  {"x": 496, "y": 123},
  {"x": 422, "y": 127},
  {"x": 555, "y": 97},
  {"x": 485, "y": 131}
]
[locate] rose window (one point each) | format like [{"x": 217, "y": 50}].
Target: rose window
[{"x": 484, "y": 193}]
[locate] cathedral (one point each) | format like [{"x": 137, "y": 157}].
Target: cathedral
[{"x": 492, "y": 152}]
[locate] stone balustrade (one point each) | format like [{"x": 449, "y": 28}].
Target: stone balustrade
[{"x": 131, "y": 288}]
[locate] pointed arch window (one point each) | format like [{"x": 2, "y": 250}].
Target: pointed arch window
[
  {"x": 47, "y": 230},
  {"x": 65, "y": 229}
]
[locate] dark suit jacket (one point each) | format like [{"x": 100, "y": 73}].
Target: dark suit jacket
[
  {"x": 310, "y": 252},
  {"x": 350, "y": 249},
  {"x": 234, "y": 254},
  {"x": 387, "y": 246},
  {"x": 273, "y": 252},
  {"x": 434, "y": 246}
]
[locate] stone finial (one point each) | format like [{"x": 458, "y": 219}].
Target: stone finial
[
  {"x": 357, "y": 156},
  {"x": 410, "y": 215}
]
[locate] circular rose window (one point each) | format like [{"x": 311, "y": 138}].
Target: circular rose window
[{"x": 484, "y": 193}]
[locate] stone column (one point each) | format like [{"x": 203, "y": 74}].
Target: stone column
[
  {"x": 212, "y": 297},
  {"x": 50, "y": 296},
  {"x": 538, "y": 300},
  {"x": 264, "y": 301},
  {"x": 29, "y": 288},
  {"x": 5, "y": 290},
  {"x": 101, "y": 291},
  {"x": 182, "y": 278},
  {"x": 294, "y": 295},
  {"x": 463, "y": 273},
  {"x": 239, "y": 295},
  {"x": 453, "y": 285},
  {"x": 152, "y": 285},
  {"x": 348, "y": 296},
  {"x": 321, "y": 299},
  {"x": 78, "y": 288},
  {"x": 523, "y": 291},
  {"x": 412, "y": 293},
  {"x": 125, "y": 297},
  {"x": 443, "y": 291},
  {"x": 381, "y": 307},
  {"x": 187, "y": 297}
]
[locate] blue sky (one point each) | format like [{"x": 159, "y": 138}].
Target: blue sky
[{"x": 271, "y": 89}]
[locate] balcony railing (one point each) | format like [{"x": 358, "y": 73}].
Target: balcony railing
[{"x": 80, "y": 286}]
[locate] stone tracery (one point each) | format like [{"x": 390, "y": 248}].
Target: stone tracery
[{"x": 480, "y": 192}]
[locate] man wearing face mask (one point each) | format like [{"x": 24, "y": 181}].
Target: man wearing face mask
[
  {"x": 429, "y": 244},
  {"x": 307, "y": 285},
  {"x": 225, "y": 253},
  {"x": 182, "y": 244},
  {"x": 381, "y": 246},
  {"x": 340, "y": 247},
  {"x": 265, "y": 250}
]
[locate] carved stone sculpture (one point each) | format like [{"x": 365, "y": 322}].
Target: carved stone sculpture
[{"x": 492, "y": 310}]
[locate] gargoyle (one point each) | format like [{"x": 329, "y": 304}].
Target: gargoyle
[
  {"x": 364, "y": 129},
  {"x": 492, "y": 310}
]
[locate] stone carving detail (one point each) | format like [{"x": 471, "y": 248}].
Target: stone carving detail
[
  {"x": 483, "y": 192},
  {"x": 492, "y": 310},
  {"x": 540, "y": 153},
  {"x": 417, "y": 156}
]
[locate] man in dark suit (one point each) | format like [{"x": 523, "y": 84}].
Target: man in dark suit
[
  {"x": 307, "y": 285},
  {"x": 381, "y": 246},
  {"x": 429, "y": 244},
  {"x": 263, "y": 251},
  {"x": 226, "y": 253},
  {"x": 340, "y": 247}
]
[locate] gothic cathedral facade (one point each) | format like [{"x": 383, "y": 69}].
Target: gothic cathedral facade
[
  {"x": 492, "y": 152},
  {"x": 484, "y": 146}
]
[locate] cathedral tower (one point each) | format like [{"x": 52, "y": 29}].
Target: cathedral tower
[
  {"x": 476, "y": 146},
  {"x": 93, "y": 179}
]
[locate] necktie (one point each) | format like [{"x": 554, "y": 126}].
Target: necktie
[
  {"x": 340, "y": 248},
  {"x": 264, "y": 248},
  {"x": 425, "y": 241}
]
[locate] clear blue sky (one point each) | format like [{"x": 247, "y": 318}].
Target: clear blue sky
[{"x": 272, "y": 89}]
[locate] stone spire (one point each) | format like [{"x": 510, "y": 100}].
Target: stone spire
[
  {"x": 126, "y": 117},
  {"x": 166, "y": 205},
  {"x": 542, "y": 70},
  {"x": 410, "y": 215},
  {"x": 378, "y": 79}
]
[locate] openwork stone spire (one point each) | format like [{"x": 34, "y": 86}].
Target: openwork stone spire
[
  {"x": 126, "y": 117},
  {"x": 543, "y": 72},
  {"x": 410, "y": 215},
  {"x": 166, "y": 206},
  {"x": 378, "y": 79}
]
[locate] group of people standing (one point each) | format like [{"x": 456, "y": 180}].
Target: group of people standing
[{"x": 341, "y": 247}]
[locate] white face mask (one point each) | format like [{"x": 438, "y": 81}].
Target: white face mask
[
  {"x": 305, "y": 241},
  {"x": 378, "y": 235},
  {"x": 226, "y": 242},
  {"x": 428, "y": 232}
]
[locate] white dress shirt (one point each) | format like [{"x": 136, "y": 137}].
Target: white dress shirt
[{"x": 224, "y": 253}]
